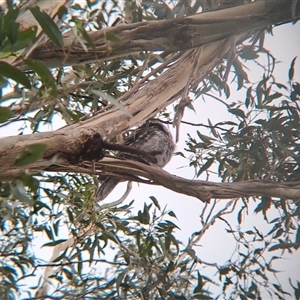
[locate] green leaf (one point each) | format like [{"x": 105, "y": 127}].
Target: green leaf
[
  {"x": 54, "y": 243},
  {"x": 242, "y": 297},
  {"x": 248, "y": 53},
  {"x": 3, "y": 83},
  {"x": 80, "y": 28},
  {"x": 282, "y": 245},
  {"x": 241, "y": 74},
  {"x": 44, "y": 73},
  {"x": 30, "y": 154},
  {"x": 172, "y": 214},
  {"x": 8, "y": 27},
  {"x": 112, "y": 37},
  {"x": 296, "y": 88},
  {"x": 62, "y": 11},
  {"x": 216, "y": 79},
  {"x": 208, "y": 163},
  {"x": 224, "y": 270},
  {"x": 240, "y": 215},
  {"x": 264, "y": 205},
  {"x": 120, "y": 278},
  {"x": 68, "y": 273},
  {"x": 238, "y": 112},
  {"x": 144, "y": 217},
  {"x": 30, "y": 181},
  {"x": 291, "y": 70},
  {"x": 212, "y": 129},
  {"x": 249, "y": 97},
  {"x": 12, "y": 29},
  {"x": 278, "y": 233},
  {"x": 226, "y": 89},
  {"x": 49, "y": 26},
  {"x": 13, "y": 73},
  {"x": 5, "y": 114},
  {"x": 206, "y": 139},
  {"x": 154, "y": 200},
  {"x": 199, "y": 286},
  {"x": 113, "y": 100},
  {"x": 282, "y": 146},
  {"x": 11, "y": 15},
  {"x": 270, "y": 98},
  {"x": 24, "y": 38}
]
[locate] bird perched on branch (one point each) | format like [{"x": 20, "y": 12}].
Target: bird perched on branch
[{"x": 152, "y": 137}]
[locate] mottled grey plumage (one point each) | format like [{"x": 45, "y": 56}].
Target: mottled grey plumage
[{"x": 149, "y": 137}]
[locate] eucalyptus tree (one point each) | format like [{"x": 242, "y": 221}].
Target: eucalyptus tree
[{"x": 101, "y": 68}]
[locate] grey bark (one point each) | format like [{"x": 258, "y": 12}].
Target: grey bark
[{"x": 169, "y": 35}]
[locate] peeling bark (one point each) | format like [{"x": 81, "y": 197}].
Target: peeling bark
[
  {"x": 168, "y": 35},
  {"x": 202, "y": 190},
  {"x": 144, "y": 101}
]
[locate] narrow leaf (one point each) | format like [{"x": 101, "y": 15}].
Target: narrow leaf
[
  {"x": 5, "y": 114},
  {"x": 208, "y": 163},
  {"x": 240, "y": 215},
  {"x": 199, "y": 287},
  {"x": 48, "y": 25},
  {"x": 30, "y": 154},
  {"x": 154, "y": 200},
  {"x": 238, "y": 112},
  {"x": 112, "y": 37},
  {"x": 13, "y": 73},
  {"x": 172, "y": 214},
  {"x": 282, "y": 246},
  {"x": 24, "y": 38},
  {"x": 291, "y": 70},
  {"x": 54, "y": 243},
  {"x": 113, "y": 101},
  {"x": 44, "y": 73}
]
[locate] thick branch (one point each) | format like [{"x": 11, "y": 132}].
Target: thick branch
[
  {"x": 142, "y": 102},
  {"x": 169, "y": 35},
  {"x": 68, "y": 147},
  {"x": 203, "y": 190}
]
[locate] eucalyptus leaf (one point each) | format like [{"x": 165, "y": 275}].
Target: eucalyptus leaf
[
  {"x": 5, "y": 114},
  {"x": 30, "y": 154},
  {"x": 44, "y": 73},
  {"x": 48, "y": 26},
  {"x": 13, "y": 73}
]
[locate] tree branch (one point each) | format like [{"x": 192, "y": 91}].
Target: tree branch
[
  {"x": 203, "y": 190},
  {"x": 167, "y": 35}
]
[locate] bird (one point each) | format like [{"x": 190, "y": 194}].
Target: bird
[{"x": 152, "y": 137}]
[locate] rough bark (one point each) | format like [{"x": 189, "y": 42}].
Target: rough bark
[
  {"x": 143, "y": 101},
  {"x": 203, "y": 190},
  {"x": 168, "y": 35}
]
